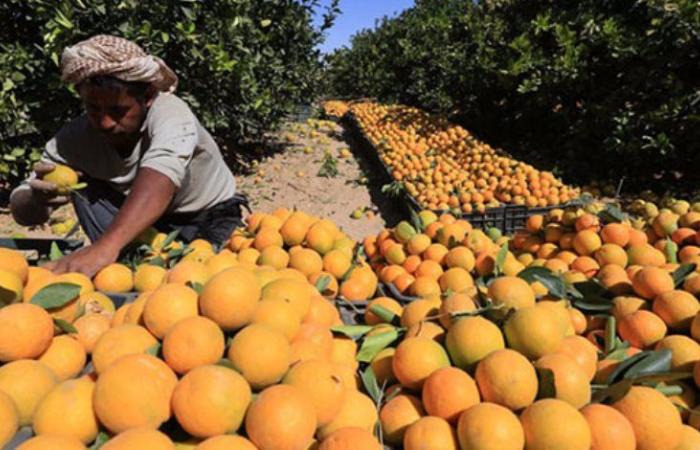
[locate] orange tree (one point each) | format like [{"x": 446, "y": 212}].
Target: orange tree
[{"x": 243, "y": 64}]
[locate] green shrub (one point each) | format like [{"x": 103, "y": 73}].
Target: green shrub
[
  {"x": 243, "y": 64},
  {"x": 591, "y": 89}
]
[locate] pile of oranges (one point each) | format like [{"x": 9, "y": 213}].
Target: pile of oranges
[
  {"x": 244, "y": 347},
  {"x": 445, "y": 168},
  {"x": 335, "y": 108}
]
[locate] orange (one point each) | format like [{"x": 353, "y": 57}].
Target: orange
[
  {"x": 586, "y": 242},
  {"x": 428, "y": 330},
  {"x": 14, "y": 261},
  {"x": 611, "y": 254},
  {"x": 226, "y": 442},
  {"x": 534, "y": 331},
  {"x": 94, "y": 302},
  {"x": 230, "y": 298},
  {"x": 507, "y": 378},
  {"x": 382, "y": 366},
  {"x": 320, "y": 238},
  {"x": 652, "y": 281},
  {"x": 337, "y": 263},
  {"x": 537, "y": 422},
  {"x": 430, "y": 432},
  {"x": 197, "y": 404},
  {"x": 449, "y": 391},
  {"x": 417, "y": 311},
  {"x": 322, "y": 312},
  {"x": 279, "y": 315},
  {"x": 120, "y": 341},
  {"x": 120, "y": 315},
  {"x": 312, "y": 342},
  {"x": 90, "y": 327},
  {"x": 10, "y": 287},
  {"x": 418, "y": 244},
  {"x": 685, "y": 351},
  {"x": 641, "y": 328},
  {"x": 26, "y": 331},
  {"x": 65, "y": 356},
  {"x": 350, "y": 438},
  {"x": 266, "y": 237},
  {"x": 397, "y": 415},
  {"x": 318, "y": 382},
  {"x": 193, "y": 342},
  {"x": 167, "y": 305},
  {"x": 385, "y": 302},
  {"x": 570, "y": 381},
  {"x": 9, "y": 419},
  {"x": 615, "y": 233},
  {"x": 676, "y": 308},
  {"x": 610, "y": 430},
  {"x": 139, "y": 438},
  {"x": 26, "y": 382},
  {"x": 344, "y": 352},
  {"x": 114, "y": 278},
  {"x": 510, "y": 293},
  {"x": 53, "y": 442},
  {"x": 456, "y": 279},
  {"x": 306, "y": 261},
  {"x": 489, "y": 426},
  {"x": 298, "y": 293},
  {"x": 274, "y": 256},
  {"x": 460, "y": 257},
  {"x": 471, "y": 339},
  {"x": 122, "y": 404},
  {"x": 281, "y": 417},
  {"x": 260, "y": 369},
  {"x": 662, "y": 429},
  {"x": 78, "y": 421},
  {"x": 415, "y": 359},
  {"x": 582, "y": 352},
  {"x": 188, "y": 272},
  {"x": 223, "y": 260},
  {"x": 644, "y": 255},
  {"x": 134, "y": 315},
  {"x": 357, "y": 411}
]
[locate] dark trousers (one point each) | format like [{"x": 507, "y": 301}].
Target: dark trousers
[{"x": 97, "y": 205}]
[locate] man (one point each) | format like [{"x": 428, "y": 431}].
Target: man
[{"x": 145, "y": 157}]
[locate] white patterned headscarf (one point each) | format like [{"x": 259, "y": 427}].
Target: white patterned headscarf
[{"x": 116, "y": 57}]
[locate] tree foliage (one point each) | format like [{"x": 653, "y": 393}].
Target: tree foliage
[
  {"x": 243, "y": 64},
  {"x": 593, "y": 89}
]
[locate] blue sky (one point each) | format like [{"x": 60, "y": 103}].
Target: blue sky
[{"x": 356, "y": 15}]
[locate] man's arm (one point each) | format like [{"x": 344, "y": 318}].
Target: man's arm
[{"x": 150, "y": 195}]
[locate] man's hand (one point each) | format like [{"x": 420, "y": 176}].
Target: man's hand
[
  {"x": 88, "y": 260},
  {"x": 45, "y": 191}
]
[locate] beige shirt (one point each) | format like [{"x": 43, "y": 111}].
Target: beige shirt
[{"x": 173, "y": 143}]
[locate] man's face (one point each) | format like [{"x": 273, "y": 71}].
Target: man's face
[{"x": 114, "y": 112}]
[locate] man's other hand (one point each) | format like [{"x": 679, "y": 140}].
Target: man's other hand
[{"x": 88, "y": 260}]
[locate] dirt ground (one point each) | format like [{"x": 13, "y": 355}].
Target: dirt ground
[{"x": 285, "y": 173}]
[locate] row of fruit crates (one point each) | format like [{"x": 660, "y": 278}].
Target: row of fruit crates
[{"x": 506, "y": 218}]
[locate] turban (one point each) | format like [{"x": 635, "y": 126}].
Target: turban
[{"x": 116, "y": 57}]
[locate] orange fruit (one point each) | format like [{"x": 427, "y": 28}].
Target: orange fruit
[
  {"x": 267, "y": 237},
  {"x": 586, "y": 242},
  {"x": 357, "y": 411},
  {"x": 193, "y": 342},
  {"x": 65, "y": 356},
  {"x": 534, "y": 331},
  {"x": 26, "y": 382},
  {"x": 382, "y": 366},
  {"x": 385, "y": 302},
  {"x": 298, "y": 293},
  {"x": 167, "y": 305},
  {"x": 415, "y": 359},
  {"x": 644, "y": 255},
  {"x": 230, "y": 298},
  {"x": 685, "y": 351},
  {"x": 274, "y": 256},
  {"x": 615, "y": 233},
  {"x": 120, "y": 341},
  {"x": 582, "y": 352},
  {"x": 90, "y": 328},
  {"x": 610, "y": 430},
  {"x": 188, "y": 272},
  {"x": 676, "y": 308},
  {"x": 510, "y": 293},
  {"x": 226, "y": 442},
  {"x": 10, "y": 287},
  {"x": 488, "y": 426},
  {"x": 197, "y": 404},
  {"x": 52, "y": 417},
  {"x": 139, "y": 438},
  {"x": 14, "y": 261},
  {"x": 570, "y": 381},
  {"x": 447, "y": 392},
  {"x": 507, "y": 378},
  {"x": 318, "y": 381},
  {"x": 53, "y": 442},
  {"x": 539, "y": 432},
  {"x": 121, "y": 404},
  {"x": 306, "y": 261},
  {"x": 652, "y": 281},
  {"x": 26, "y": 331},
  {"x": 350, "y": 438},
  {"x": 312, "y": 342},
  {"x": 281, "y": 417},
  {"x": 114, "y": 277},
  {"x": 260, "y": 369},
  {"x": 397, "y": 415},
  {"x": 641, "y": 328},
  {"x": 279, "y": 315},
  {"x": 471, "y": 339},
  {"x": 662, "y": 429},
  {"x": 9, "y": 419},
  {"x": 430, "y": 432},
  {"x": 322, "y": 312}
]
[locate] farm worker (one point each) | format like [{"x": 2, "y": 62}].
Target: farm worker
[{"x": 145, "y": 157}]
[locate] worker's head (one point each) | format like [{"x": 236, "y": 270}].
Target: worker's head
[
  {"x": 117, "y": 80},
  {"x": 116, "y": 107}
]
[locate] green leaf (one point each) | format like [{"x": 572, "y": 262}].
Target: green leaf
[
  {"x": 383, "y": 313},
  {"x": 352, "y": 331},
  {"x": 78, "y": 186},
  {"x": 529, "y": 273},
  {"x": 197, "y": 287},
  {"x": 610, "y": 338},
  {"x": 375, "y": 344},
  {"x": 546, "y": 385},
  {"x": 554, "y": 284},
  {"x": 225, "y": 362},
  {"x": 100, "y": 440},
  {"x": 369, "y": 381},
  {"x": 55, "y": 253},
  {"x": 154, "y": 349},
  {"x": 322, "y": 283},
  {"x": 671, "y": 251},
  {"x": 416, "y": 222},
  {"x": 680, "y": 274},
  {"x": 653, "y": 363},
  {"x": 65, "y": 326},
  {"x": 501, "y": 258},
  {"x": 55, "y": 295},
  {"x": 612, "y": 213},
  {"x": 170, "y": 239}
]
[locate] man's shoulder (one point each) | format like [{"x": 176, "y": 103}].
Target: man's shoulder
[
  {"x": 168, "y": 106},
  {"x": 74, "y": 135}
]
